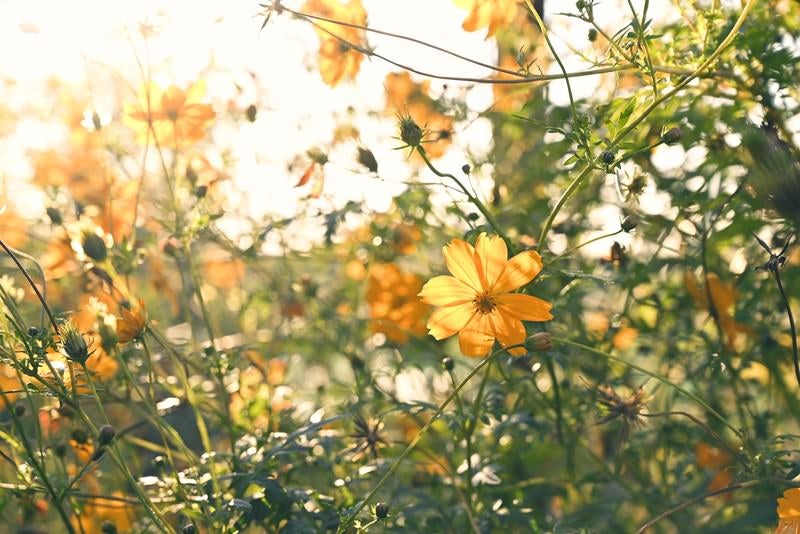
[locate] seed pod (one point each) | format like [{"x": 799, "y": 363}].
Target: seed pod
[
  {"x": 94, "y": 246},
  {"x": 447, "y": 363},
  {"x": 367, "y": 159},
  {"x": 251, "y": 112},
  {"x": 607, "y": 157},
  {"x": 629, "y": 222}
]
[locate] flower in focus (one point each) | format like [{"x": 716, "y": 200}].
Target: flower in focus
[
  {"x": 393, "y": 304},
  {"x": 337, "y": 59},
  {"x": 177, "y": 117},
  {"x": 477, "y": 301},
  {"x": 131, "y": 325},
  {"x": 789, "y": 512}
]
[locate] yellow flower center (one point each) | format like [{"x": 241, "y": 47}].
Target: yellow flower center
[{"x": 484, "y": 303}]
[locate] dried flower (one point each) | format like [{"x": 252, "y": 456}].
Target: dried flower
[
  {"x": 368, "y": 438},
  {"x": 629, "y": 410}
]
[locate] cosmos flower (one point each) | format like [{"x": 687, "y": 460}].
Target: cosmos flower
[{"x": 477, "y": 301}]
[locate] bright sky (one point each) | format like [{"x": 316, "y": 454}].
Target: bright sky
[{"x": 94, "y": 40}]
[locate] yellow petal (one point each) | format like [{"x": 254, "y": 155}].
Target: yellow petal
[
  {"x": 492, "y": 255},
  {"x": 524, "y": 307},
  {"x": 462, "y": 263},
  {"x": 789, "y": 504},
  {"x": 509, "y": 331},
  {"x": 446, "y": 291},
  {"x": 445, "y": 322},
  {"x": 477, "y": 338},
  {"x": 519, "y": 270}
]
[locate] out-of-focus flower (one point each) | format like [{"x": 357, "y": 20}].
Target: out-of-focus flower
[
  {"x": 510, "y": 97},
  {"x": 99, "y": 510},
  {"x": 477, "y": 301},
  {"x": 393, "y": 304},
  {"x": 337, "y": 59},
  {"x": 492, "y": 14},
  {"x": 10, "y": 384},
  {"x": 412, "y": 100},
  {"x": 178, "y": 117},
  {"x": 223, "y": 273},
  {"x": 789, "y": 512},
  {"x": 83, "y": 172},
  {"x": 723, "y": 298},
  {"x": 404, "y": 238},
  {"x": 717, "y": 461},
  {"x": 132, "y": 322}
]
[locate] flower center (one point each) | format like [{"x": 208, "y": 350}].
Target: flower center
[{"x": 484, "y": 303}]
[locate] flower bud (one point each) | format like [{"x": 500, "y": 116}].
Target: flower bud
[
  {"x": 105, "y": 435},
  {"x": 592, "y": 35},
  {"x": 33, "y": 331},
  {"x": 447, "y": 363},
  {"x": 94, "y": 246},
  {"x": 189, "y": 529},
  {"x": 55, "y": 216},
  {"x": 381, "y": 510},
  {"x": 251, "y": 112},
  {"x": 672, "y": 136},
  {"x": 607, "y": 157},
  {"x": 19, "y": 409},
  {"x": 466, "y": 169},
  {"x": 108, "y": 528},
  {"x": 410, "y": 132},
  {"x": 629, "y": 222},
  {"x": 80, "y": 436},
  {"x": 98, "y": 454},
  {"x": 367, "y": 159},
  {"x": 73, "y": 344},
  {"x": 539, "y": 342}
]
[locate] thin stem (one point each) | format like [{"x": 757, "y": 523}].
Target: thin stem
[
  {"x": 708, "y": 430},
  {"x": 551, "y": 370},
  {"x": 33, "y": 286},
  {"x": 704, "y": 496},
  {"x": 573, "y": 249},
  {"x": 351, "y": 517},
  {"x": 472, "y": 198},
  {"x": 791, "y": 325},
  {"x": 652, "y": 374}
]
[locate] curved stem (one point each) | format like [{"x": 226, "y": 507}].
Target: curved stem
[
  {"x": 652, "y": 374},
  {"x": 685, "y": 504},
  {"x": 472, "y": 198},
  {"x": 791, "y": 325}
]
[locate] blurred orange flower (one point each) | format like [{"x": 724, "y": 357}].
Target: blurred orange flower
[
  {"x": 789, "y": 512},
  {"x": 411, "y": 98},
  {"x": 9, "y": 383},
  {"x": 393, "y": 304},
  {"x": 337, "y": 60},
  {"x": 494, "y": 14},
  {"x": 477, "y": 301},
  {"x": 177, "y": 117},
  {"x": 100, "y": 510},
  {"x": 723, "y": 298},
  {"x": 81, "y": 171}
]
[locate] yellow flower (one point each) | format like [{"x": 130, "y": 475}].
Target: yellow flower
[
  {"x": 789, "y": 512},
  {"x": 132, "y": 323},
  {"x": 723, "y": 300},
  {"x": 178, "y": 117},
  {"x": 477, "y": 301},
  {"x": 337, "y": 60}
]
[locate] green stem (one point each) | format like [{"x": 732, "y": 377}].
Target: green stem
[
  {"x": 351, "y": 517},
  {"x": 472, "y": 198},
  {"x": 657, "y": 376}
]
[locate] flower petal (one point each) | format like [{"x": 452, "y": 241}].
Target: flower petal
[
  {"x": 509, "y": 331},
  {"x": 519, "y": 270},
  {"x": 492, "y": 254},
  {"x": 462, "y": 262},
  {"x": 445, "y": 322},
  {"x": 477, "y": 338},
  {"x": 524, "y": 307},
  {"x": 446, "y": 291}
]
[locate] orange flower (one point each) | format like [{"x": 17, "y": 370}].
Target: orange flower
[
  {"x": 178, "y": 117},
  {"x": 103, "y": 509},
  {"x": 132, "y": 323},
  {"x": 789, "y": 512},
  {"x": 494, "y": 14},
  {"x": 393, "y": 304},
  {"x": 337, "y": 60},
  {"x": 477, "y": 301},
  {"x": 723, "y": 298}
]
